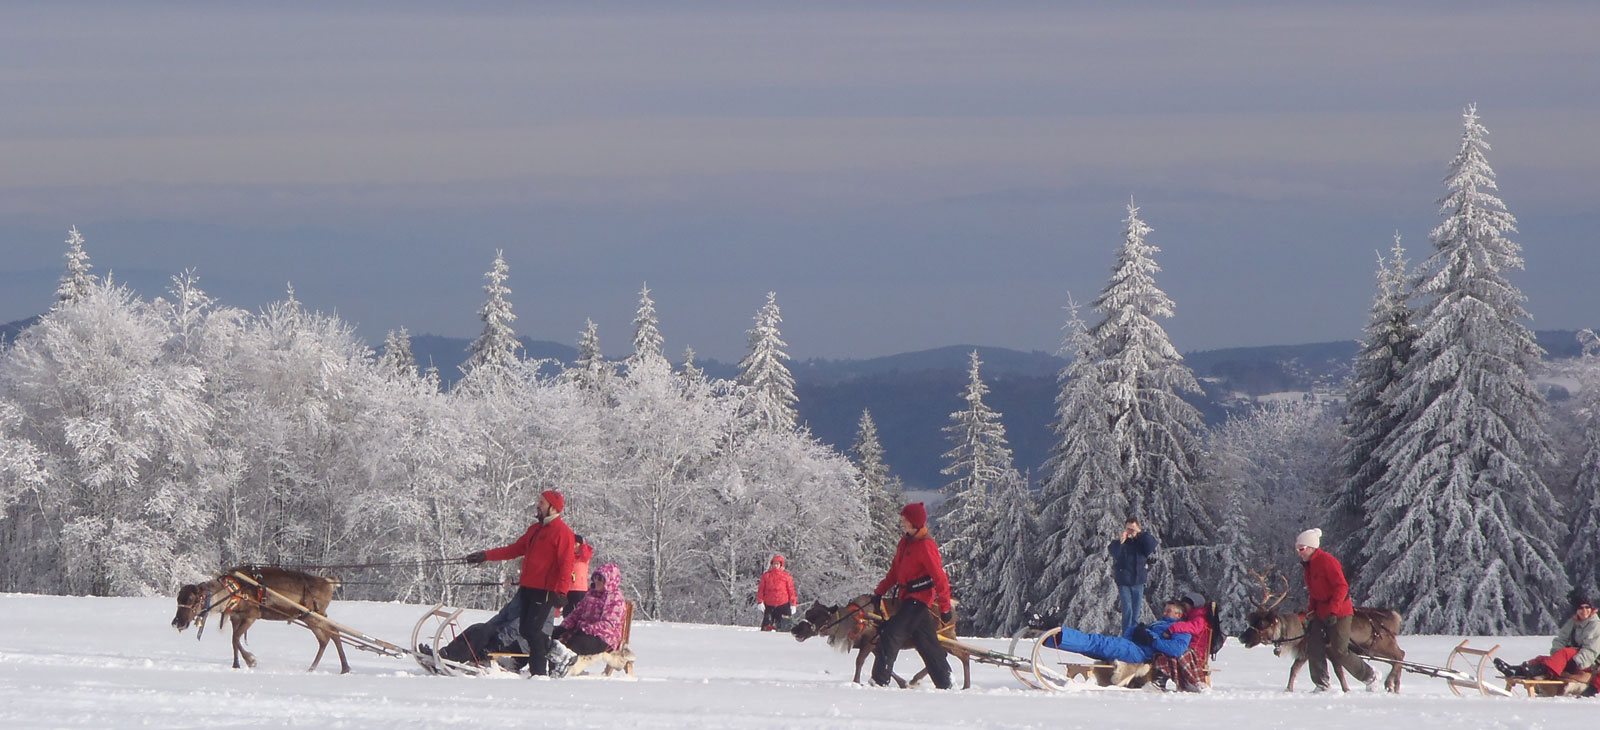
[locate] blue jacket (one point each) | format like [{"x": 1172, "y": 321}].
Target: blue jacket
[
  {"x": 1138, "y": 646},
  {"x": 1130, "y": 561}
]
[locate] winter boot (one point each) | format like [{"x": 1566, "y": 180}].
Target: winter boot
[
  {"x": 1511, "y": 671},
  {"x": 561, "y": 659}
]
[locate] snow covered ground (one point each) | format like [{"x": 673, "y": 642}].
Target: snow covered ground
[{"x": 117, "y": 663}]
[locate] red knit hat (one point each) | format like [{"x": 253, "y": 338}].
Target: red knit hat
[
  {"x": 917, "y": 513},
  {"x": 557, "y": 502}
]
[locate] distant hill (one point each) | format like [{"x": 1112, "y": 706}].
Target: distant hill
[{"x": 9, "y": 330}]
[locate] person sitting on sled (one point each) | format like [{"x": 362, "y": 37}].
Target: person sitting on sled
[
  {"x": 594, "y": 626},
  {"x": 1190, "y": 668},
  {"x": 1575, "y": 648},
  {"x": 1139, "y": 645}
]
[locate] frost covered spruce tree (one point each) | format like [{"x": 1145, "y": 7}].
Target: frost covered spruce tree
[
  {"x": 1082, "y": 503},
  {"x": 590, "y": 371},
  {"x": 883, "y": 508},
  {"x": 978, "y": 460},
  {"x": 1154, "y": 431},
  {"x": 647, "y": 340},
  {"x": 771, "y": 399},
  {"x": 1583, "y": 547},
  {"x": 76, "y": 281},
  {"x": 1369, "y": 417},
  {"x": 493, "y": 356},
  {"x": 1009, "y": 570},
  {"x": 1463, "y": 527},
  {"x": 397, "y": 360}
]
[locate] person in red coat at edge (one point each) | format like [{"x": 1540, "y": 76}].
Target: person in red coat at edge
[
  {"x": 776, "y": 594},
  {"x": 1329, "y": 615},
  {"x": 918, "y": 573},
  {"x": 546, "y": 551},
  {"x": 582, "y": 553}
]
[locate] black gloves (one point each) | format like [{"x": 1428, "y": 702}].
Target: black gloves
[
  {"x": 558, "y": 599},
  {"x": 946, "y": 617},
  {"x": 477, "y": 558}
]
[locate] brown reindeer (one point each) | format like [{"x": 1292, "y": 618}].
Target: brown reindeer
[
  {"x": 243, "y": 603},
  {"x": 855, "y": 626},
  {"x": 1373, "y": 632}
]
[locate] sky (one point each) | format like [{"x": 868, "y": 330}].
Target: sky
[{"x": 904, "y": 175}]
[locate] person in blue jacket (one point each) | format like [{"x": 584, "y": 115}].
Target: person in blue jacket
[
  {"x": 1130, "y": 567},
  {"x": 1136, "y": 646}
]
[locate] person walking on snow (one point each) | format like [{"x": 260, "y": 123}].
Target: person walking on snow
[
  {"x": 1330, "y": 613},
  {"x": 776, "y": 594},
  {"x": 546, "y": 551},
  {"x": 917, "y": 572},
  {"x": 1130, "y": 567}
]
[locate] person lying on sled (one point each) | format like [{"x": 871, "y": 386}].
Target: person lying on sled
[{"x": 1139, "y": 645}]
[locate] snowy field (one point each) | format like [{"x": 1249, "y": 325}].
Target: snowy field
[{"x": 117, "y": 663}]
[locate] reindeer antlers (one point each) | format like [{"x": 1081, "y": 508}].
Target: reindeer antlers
[{"x": 1270, "y": 600}]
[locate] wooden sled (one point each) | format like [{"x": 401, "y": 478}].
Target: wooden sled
[{"x": 621, "y": 659}]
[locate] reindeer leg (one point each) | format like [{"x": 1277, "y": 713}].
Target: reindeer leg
[
  {"x": 861, "y": 658},
  {"x": 241, "y": 627},
  {"x": 322, "y": 646},
  {"x": 1338, "y": 671},
  {"x": 338, "y": 646},
  {"x": 966, "y": 671},
  {"x": 915, "y": 678},
  {"x": 1294, "y": 671}
]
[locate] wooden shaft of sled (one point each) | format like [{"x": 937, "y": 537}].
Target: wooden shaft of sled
[{"x": 356, "y": 638}]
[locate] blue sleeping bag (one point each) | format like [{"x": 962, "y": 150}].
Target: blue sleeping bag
[{"x": 1138, "y": 646}]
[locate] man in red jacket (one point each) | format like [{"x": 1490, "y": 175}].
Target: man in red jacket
[
  {"x": 546, "y": 551},
  {"x": 1329, "y": 615},
  {"x": 918, "y": 573},
  {"x": 776, "y": 594}
]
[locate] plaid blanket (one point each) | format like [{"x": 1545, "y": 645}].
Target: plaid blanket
[{"x": 1188, "y": 670}]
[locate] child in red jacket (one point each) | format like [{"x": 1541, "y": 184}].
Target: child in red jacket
[{"x": 776, "y": 594}]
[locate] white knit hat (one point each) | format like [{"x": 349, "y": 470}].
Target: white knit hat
[{"x": 1309, "y": 538}]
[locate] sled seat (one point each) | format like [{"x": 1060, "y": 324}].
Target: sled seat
[{"x": 1538, "y": 687}]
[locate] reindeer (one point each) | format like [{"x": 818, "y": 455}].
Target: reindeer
[
  {"x": 243, "y": 604},
  {"x": 855, "y": 626},
  {"x": 1373, "y": 632}
]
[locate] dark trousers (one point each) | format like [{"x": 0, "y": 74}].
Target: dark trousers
[
  {"x": 1328, "y": 639},
  {"x": 913, "y": 622},
  {"x": 536, "y": 608},
  {"x": 772, "y": 615},
  {"x": 583, "y": 644}
]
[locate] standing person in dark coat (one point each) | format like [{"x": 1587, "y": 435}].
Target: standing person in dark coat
[
  {"x": 918, "y": 572},
  {"x": 1130, "y": 567},
  {"x": 546, "y": 550},
  {"x": 1330, "y": 613}
]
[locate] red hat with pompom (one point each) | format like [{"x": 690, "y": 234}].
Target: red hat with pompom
[{"x": 916, "y": 513}]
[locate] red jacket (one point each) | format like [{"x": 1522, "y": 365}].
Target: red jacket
[
  {"x": 546, "y": 552},
  {"x": 1195, "y": 625},
  {"x": 1330, "y": 593},
  {"x": 581, "y": 556},
  {"x": 918, "y": 571},
  {"x": 777, "y": 588}
]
